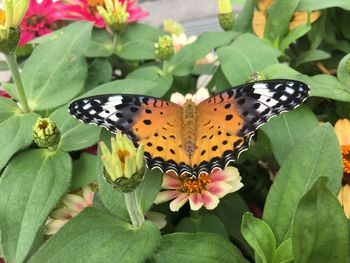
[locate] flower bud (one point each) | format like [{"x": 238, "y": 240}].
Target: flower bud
[
  {"x": 45, "y": 133},
  {"x": 124, "y": 165},
  {"x": 172, "y": 27},
  {"x": 10, "y": 19},
  {"x": 114, "y": 14},
  {"x": 255, "y": 76},
  {"x": 164, "y": 48},
  {"x": 226, "y": 17}
]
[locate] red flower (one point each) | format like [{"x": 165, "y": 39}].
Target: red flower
[
  {"x": 40, "y": 19},
  {"x": 87, "y": 10},
  {"x": 4, "y": 94}
]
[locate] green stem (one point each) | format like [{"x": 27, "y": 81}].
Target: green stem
[
  {"x": 12, "y": 62},
  {"x": 114, "y": 43},
  {"x": 135, "y": 210}
]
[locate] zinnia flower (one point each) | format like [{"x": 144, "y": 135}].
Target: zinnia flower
[
  {"x": 260, "y": 18},
  {"x": 206, "y": 190},
  {"x": 342, "y": 129},
  {"x": 87, "y": 10},
  {"x": 40, "y": 19},
  {"x": 72, "y": 205}
]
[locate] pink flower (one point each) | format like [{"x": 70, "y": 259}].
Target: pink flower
[
  {"x": 41, "y": 18},
  {"x": 4, "y": 94},
  {"x": 206, "y": 190},
  {"x": 87, "y": 10},
  {"x": 72, "y": 205}
]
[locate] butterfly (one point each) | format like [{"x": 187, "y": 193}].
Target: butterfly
[{"x": 192, "y": 138}]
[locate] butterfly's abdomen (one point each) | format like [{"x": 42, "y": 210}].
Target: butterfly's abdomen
[{"x": 189, "y": 127}]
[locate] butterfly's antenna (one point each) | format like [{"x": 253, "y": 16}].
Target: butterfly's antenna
[{"x": 206, "y": 78}]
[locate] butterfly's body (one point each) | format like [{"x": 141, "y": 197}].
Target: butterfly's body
[
  {"x": 189, "y": 127},
  {"x": 193, "y": 138}
]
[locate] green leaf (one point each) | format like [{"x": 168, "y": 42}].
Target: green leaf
[
  {"x": 243, "y": 22},
  {"x": 141, "y": 31},
  {"x": 8, "y": 108},
  {"x": 246, "y": 55},
  {"x": 100, "y": 72},
  {"x": 126, "y": 86},
  {"x": 112, "y": 199},
  {"x": 75, "y": 135},
  {"x": 311, "y": 55},
  {"x": 259, "y": 236},
  {"x": 97, "y": 236},
  {"x": 279, "y": 71},
  {"x": 149, "y": 188},
  {"x": 279, "y": 15},
  {"x": 163, "y": 80},
  {"x": 197, "y": 248},
  {"x": 343, "y": 73},
  {"x": 320, "y": 232},
  {"x": 84, "y": 171},
  {"x": 100, "y": 45},
  {"x": 294, "y": 35},
  {"x": 202, "y": 223},
  {"x": 318, "y": 154},
  {"x": 183, "y": 61},
  {"x": 310, "y": 5},
  {"x": 137, "y": 49},
  {"x": 284, "y": 252},
  {"x": 18, "y": 131},
  {"x": 287, "y": 130},
  {"x": 231, "y": 210},
  {"x": 57, "y": 67},
  {"x": 327, "y": 86},
  {"x": 40, "y": 178}
]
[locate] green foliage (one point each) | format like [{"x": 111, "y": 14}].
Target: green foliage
[{"x": 293, "y": 169}]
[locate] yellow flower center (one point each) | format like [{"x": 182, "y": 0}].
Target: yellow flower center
[
  {"x": 94, "y": 3},
  {"x": 194, "y": 185},
  {"x": 2, "y": 17},
  {"x": 345, "y": 152},
  {"x": 122, "y": 155}
]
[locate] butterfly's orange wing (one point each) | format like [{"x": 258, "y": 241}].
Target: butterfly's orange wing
[
  {"x": 226, "y": 122},
  {"x": 153, "y": 122}
]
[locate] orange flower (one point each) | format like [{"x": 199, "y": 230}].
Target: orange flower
[
  {"x": 260, "y": 17},
  {"x": 342, "y": 129}
]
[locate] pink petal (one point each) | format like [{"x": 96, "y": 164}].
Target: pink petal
[
  {"x": 220, "y": 189},
  {"x": 196, "y": 201},
  {"x": 55, "y": 225},
  {"x": 176, "y": 204},
  {"x": 165, "y": 196},
  {"x": 74, "y": 202},
  {"x": 171, "y": 182},
  {"x": 88, "y": 195},
  {"x": 210, "y": 201}
]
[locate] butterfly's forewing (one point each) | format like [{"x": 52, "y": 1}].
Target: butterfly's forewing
[
  {"x": 153, "y": 122},
  {"x": 227, "y": 121}
]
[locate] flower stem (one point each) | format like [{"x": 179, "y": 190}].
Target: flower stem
[
  {"x": 135, "y": 210},
  {"x": 12, "y": 62}
]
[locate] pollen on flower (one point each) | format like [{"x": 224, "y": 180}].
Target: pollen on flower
[
  {"x": 345, "y": 151},
  {"x": 192, "y": 185},
  {"x": 2, "y": 17}
]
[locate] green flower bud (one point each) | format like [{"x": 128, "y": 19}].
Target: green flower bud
[
  {"x": 172, "y": 27},
  {"x": 46, "y": 133},
  {"x": 114, "y": 14},
  {"x": 226, "y": 17},
  {"x": 164, "y": 48},
  {"x": 9, "y": 43},
  {"x": 255, "y": 76},
  {"x": 124, "y": 165}
]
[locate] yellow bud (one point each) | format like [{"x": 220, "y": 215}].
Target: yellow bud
[
  {"x": 255, "y": 76},
  {"x": 164, "y": 48},
  {"x": 172, "y": 27},
  {"x": 45, "y": 133},
  {"x": 226, "y": 17}
]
